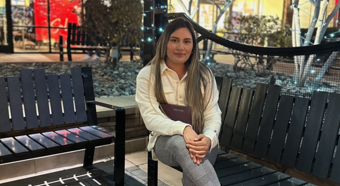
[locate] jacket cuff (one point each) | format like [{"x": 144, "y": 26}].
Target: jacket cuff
[
  {"x": 213, "y": 138},
  {"x": 178, "y": 127}
]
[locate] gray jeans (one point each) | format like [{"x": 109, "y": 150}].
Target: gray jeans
[{"x": 172, "y": 151}]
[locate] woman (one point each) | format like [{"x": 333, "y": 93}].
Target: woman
[{"x": 175, "y": 76}]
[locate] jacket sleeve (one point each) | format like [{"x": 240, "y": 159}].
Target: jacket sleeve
[
  {"x": 153, "y": 117},
  {"x": 212, "y": 116}
]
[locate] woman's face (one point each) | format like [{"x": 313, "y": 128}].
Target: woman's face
[{"x": 179, "y": 47}]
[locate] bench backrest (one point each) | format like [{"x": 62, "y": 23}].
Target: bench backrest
[
  {"x": 296, "y": 132},
  {"x": 77, "y": 36},
  {"x": 36, "y": 100}
]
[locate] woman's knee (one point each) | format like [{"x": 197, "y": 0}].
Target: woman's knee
[{"x": 176, "y": 142}]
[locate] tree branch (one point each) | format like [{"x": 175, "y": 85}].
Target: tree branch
[
  {"x": 313, "y": 23},
  {"x": 313, "y": 2},
  {"x": 218, "y": 6},
  {"x": 330, "y": 17},
  {"x": 184, "y": 7},
  {"x": 189, "y": 7}
]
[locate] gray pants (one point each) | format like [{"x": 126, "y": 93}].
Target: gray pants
[{"x": 172, "y": 151}]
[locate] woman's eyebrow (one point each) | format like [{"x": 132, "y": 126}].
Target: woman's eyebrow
[{"x": 178, "y": 38}]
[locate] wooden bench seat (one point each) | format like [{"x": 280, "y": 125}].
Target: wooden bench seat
[
  {"x": 43, "y": 114},
  {"x": 293, "y": 133}
]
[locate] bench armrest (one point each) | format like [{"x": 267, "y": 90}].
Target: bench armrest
[{"x": 119, "y": 160}]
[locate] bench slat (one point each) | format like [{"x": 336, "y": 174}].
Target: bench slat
[
  {"x": 15, "y": 103},
  {"x": 42, "y": 99},
  {"x": 58, "y": 138},
  {"x": 230, "y": 118},
  {"x": 71, "y": 136},
  {"x": 4, "y": 151},
  {"x": 328, "y": 138},
  {"x": 224, "y": 95},
  {"x": 29, "y": 143},
  {"x": 289, "y": 182},
  {"x": 78, "y": 35},
  {"x": 29, "y": 98},
  {"x": 13, "y": 145},
  {"x": 65, "y": 82},
  {"x": 95, "y": 132},
  {"x": 265, "y": 180},
  {"x": 229, "y": 163},
  {"x": 83, "y": 134},
  {"x": 295, "y": 132},
  {"x": 254, "y": 118},
  {"x": 55, "y": 100},
  {"x": 43, "y": 140},
  {"x": 280, "y": 128},
  {"x": 247, "y": 175},
  {"x": 73, "y": 32},
  {"x": 219, "y": 81},
  {"x": 336, "y": 166},
  {"x": 4, "y": 117},
  {"x": 83, "y": 38},
  {"x": 242, "y": 119},
  {"x": 312, "y": 131},
  {"x": 267, "y": 121},
  {"x": 237, "y": 169},
  {"x": 78, "y": 90}
]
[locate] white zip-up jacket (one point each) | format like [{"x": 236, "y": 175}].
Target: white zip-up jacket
[{"x": 174, "y": 91}]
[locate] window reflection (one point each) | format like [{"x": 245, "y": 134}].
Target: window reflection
[{"x": 34, "y": 30}]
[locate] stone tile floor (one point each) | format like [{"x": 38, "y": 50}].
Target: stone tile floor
[{"x": 102, "y": 174}]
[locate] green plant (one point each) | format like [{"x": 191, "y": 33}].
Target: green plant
[
  {"x": 116, "y": 22},
  {"x": 257, "y": 31}
]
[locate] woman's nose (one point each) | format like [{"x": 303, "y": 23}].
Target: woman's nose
[{"x": 180, "y": 45}]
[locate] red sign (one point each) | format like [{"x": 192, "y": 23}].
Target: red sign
[{"x": 62, "y": 12}]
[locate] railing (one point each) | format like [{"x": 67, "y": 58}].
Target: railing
[
  {"x": 299, "y": 70},
  {"x": 292, "y": 51}
]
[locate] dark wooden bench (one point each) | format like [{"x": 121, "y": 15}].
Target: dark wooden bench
[
  {"x": 288, "y": 133},
  {"x": 78, "y": 39},
  {"x": 52, "y": 114}
]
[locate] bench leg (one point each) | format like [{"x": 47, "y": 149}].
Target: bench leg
[
  {"x": 119, "y": 161},
  {"x": 131, "y": 54},
  {"x": 69, "y": 56},
  {"x": 152, "y": 171},
  {"x": 88, "y": 157}
]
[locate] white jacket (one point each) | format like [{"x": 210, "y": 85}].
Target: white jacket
[{"x": 174, "y": 91}]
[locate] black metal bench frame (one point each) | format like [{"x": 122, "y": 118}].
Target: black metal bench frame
[
  {"x": 78, "y": 39},
  {"x": 286, "y": 131},
  {"x": 57, "y": 127}
]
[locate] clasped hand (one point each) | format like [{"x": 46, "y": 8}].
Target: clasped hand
[{"x": 198, "y": 145}]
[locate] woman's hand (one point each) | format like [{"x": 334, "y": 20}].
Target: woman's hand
[
  {"x": 199, "y": 147},
  {"x": 190, "y": 135}
]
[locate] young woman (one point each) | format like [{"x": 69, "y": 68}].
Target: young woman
[{"x": 175, "y": 76}]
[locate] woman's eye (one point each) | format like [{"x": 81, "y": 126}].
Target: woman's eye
[
  {"x": 173, "y": 40},
  {"x": 187, "y": 41}
]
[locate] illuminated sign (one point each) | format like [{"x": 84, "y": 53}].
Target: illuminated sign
[{"x": 62, "y": 12}]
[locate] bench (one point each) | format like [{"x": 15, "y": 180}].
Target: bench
[
  {"x": 77, "y": 39},
  {"x": 43, "y": 114},
  {"x": 291, "y": 134}
]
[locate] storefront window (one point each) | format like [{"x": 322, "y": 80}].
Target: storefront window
[
  {"x": 3, "y": 23},
  {"x": 35, "y": 31}
]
